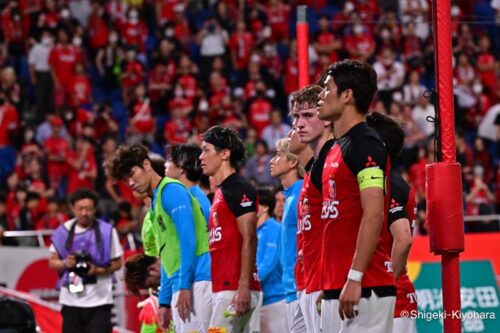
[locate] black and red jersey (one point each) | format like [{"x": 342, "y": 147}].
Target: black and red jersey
[
  {"x": 402, "y": 205},
  {"x": 310, "y": 225},
  {"x": 358, "y": 153},
  {"x": 234, "y": 198}
]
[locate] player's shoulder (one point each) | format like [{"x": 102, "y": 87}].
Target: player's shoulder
[{"x": 236, "y": 184}]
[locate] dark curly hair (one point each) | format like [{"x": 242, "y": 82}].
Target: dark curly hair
[
  {"x": 136, "y": 272},
  {"x": 124, "y": 159}
]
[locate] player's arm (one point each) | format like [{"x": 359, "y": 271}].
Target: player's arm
[
  {"x": 177, "y": 202},
  {"x": 367, "y": 161},
  {"x": 164, "y": 301},
  {"x": 401, "y": 232},
  {"x": 247, "y": 226}
]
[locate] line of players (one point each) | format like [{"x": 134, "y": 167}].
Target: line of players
[{"x": 337, "y": 259}]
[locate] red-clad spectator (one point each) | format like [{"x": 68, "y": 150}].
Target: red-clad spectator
[
  {"x": 487, "y": 63},
  {"x": 105, "y": 123},
  {"x": 178, "y": 129},
  {"x": 181, "y": 30},
  {"x": 465, "y": 156},
  {"x": 343, "y": 18},
  {"x": 134, "y": 31},
  {"x": 417, "y": 173},
  {"x": 360, "y": 43},
  {"x": 412, "y": 53},
  {"x": 76, "y": 119},
  {"x": 62, "y": 60},
  {"x": 259, "y": 109},
  {"x": 465, "y": 73},
  {"x": 480, "y": 194},
  {"x": 80, "y": 90},
  {"x": 464, "y": 41},
  {"x": 29, "y": 7},
  {"x": 142, "y": 122},
  {"x": 271, "y": 61},
  {"x": 12, "y": 25},
  {"x": 165, "y": 10},
  {"x": 82, "y": 166},
  {"x": 278, "y": 18},
  {"x": 9, "y": 120},
  {"x": 218, "y": 84},
  {"x": 321, "y": 66},
  {"x": 97, "y": 28},
  {"x": 291, "y": 70},
  {"x": 132, "y": 74},
  {"x": 482, "y": 156},
  {"x": 325, "y": 40},
  {"x": 241, "y": 44},
  {"x": 51, "y": 219},
  {"x": 34, "y": 178},
  {"x": 51, "y": 14},
  {"x": 117, "y": 11},
  {"x": 257, "y": 22},
  {"x": 57, "y": 150},
  {"x": 186, "y": 81},
  {"x": 368, "y": 9},
  {"x": 160, "y": 81}
]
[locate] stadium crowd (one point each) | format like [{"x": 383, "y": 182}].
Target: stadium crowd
[{"x": 80, "y": 77}]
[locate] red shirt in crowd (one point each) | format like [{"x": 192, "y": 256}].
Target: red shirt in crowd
[
  {"x": 61, "y": 147},
  {"x": 63, "y": 59},
  {"x": 278, "y": 20},
  {"x": 488, "y": 77},
  {"x": 76, "y": 177},
  {"x": 135, "y": 34},
  {"x": 80, "y": 90},
  {"x": 291, "y": 82},
  {"x": 8, "y": 122},
  {"x": 259, "y": 114},
  {"x": 241, "y": 45},
  {"x": 98, "y": 31},
  {"x": 133, "y": 74},
  {"x": 177, "y": 130},
  {"x": 142, "y": 117}
]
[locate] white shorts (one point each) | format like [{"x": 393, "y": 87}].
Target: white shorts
[
  {"x": 404, "y": 325},
  {"x": 295, "y": 319},
  {"x": 233, "y": 324},
  {"x": 309, "y": 309},
  {"x": 273, "y": 318},
  {"x": 202, "y": 302},
  {"x": 375, "y": 313}
]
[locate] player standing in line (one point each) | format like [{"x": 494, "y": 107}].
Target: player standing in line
[
  {"x": 358, "y": 282},
  {"x": 401, "y": 220},
  {"x": 286, "y": 167},
  {"x": 273, "y": 311},
  {"x": 233, "y": 238},
  {"x": 183, "y": 164},
  {"x": 182, "y": 232},
  {"x": 318, "y": 136}
]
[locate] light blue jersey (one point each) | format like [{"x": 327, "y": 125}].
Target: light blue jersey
[
  {"x": 288, "y": 257},
  {"x": 176, "y": 202},
  {"x": 202, "y": 199},
  {"x": 268, "y": 263}
]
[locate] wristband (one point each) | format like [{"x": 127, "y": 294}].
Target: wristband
[
  {"x": 168, "y": 306},
  {"x": 355, "y": 275}
]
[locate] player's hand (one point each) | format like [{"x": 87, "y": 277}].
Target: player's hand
[
  {"x": 241, "y": 300},
  {"x": 318, "y": 302},
  {"x": 184, "y": 305},
  {"x": 349, "y": 299},
  {"x": 70, "y": 261},
  {"x": 164, "y": 318}
]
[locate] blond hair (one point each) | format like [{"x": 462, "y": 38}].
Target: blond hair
[{"x": 283, "y": 145}]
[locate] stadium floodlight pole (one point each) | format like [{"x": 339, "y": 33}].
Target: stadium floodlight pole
[
  {"x": 443, "y": 178},
  {"x": 303, "y": 46}
]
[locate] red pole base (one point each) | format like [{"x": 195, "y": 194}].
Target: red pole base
[{"x": 451, "y": 292}]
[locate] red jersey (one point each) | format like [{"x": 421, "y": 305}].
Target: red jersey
[
  {"x": 81, "y": 90},
  {"x": 189, "y": 85},
  {"x": 8, "y": 122},
  {"x": 291, "y": 76},
  {"x": 76, "y": 178},
  {"x": 235, "y": 197},
  {"x": 62, "y": 59},
  {"x": 324, "y": 38},
  {"x": 135, "y": 34},
  {"x": 278, "y": 20},
  {"x": 362, "y": 43},
  {"x": 402, "y": 206},
  {"x": 359, "y": 150},
  {"x": 489, "y": 77},
  {"x": 310, "y": 224},
  {"x": 142, "y": 117},
  {"x": 57, "y": 146},
  {"x": 98, "y": 31},
  {"x": 259, "y": 114},
  {"x": 177, "y": 130},
  {"x": 133, "y": 74},
  {"x": 241, "y": 44}
]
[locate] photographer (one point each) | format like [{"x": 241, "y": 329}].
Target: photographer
[{"x": 85, "y": 251}]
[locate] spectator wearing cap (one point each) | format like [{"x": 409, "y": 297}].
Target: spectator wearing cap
[{"x": 57, "y": 149}]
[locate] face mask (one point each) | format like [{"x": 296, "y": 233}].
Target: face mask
[
  {"x": 169, "y": 32},
  {"x": 133, "y": 17},
  {"x": 113, "y": 39},
  {"x": 357, "y": 29},
  {"x": 65, "y": 14},
  {"x": 77, "y": 41},
  {"x": 47, "y": 41},
  {"x": 28, "y": 136},
  {"x": 455, "y": 11},
  {"x": 477, "y": 88},
  {"x": 385, "y": 34},
  {"x": 348, "y": 7}
]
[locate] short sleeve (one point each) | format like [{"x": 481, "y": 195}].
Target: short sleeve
[
  {"x": 241, "y": 198},
  {"x": 397, "y": 203},
  {"x": 367, "y": 160}
]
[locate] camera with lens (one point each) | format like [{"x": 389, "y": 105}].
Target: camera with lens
[{"x": 82, "y": 265}]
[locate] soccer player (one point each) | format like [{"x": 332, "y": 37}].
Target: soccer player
[
  {"x": 273, "y": 311},
  {"x": 233, "y": 238},
  {"x": 358, "y": 283},
  {"x": 183, "y": 164},
  {"x": 318, "y": 136},
  {"x": 183, "y": 236},
  {"x": 401, "y": 220},
  {"x": 287, "y": 168}
]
